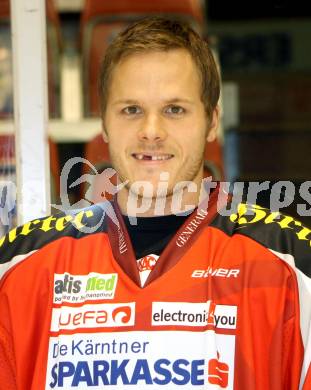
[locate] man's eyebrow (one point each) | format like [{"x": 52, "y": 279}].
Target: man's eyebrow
[
  {"x": 126, "y": 101},
  {"x": 174, "y": 100},
  {"x": 178, "y": 100}
]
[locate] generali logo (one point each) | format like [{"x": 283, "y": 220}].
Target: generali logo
[
  {"x": 190, "y": 228},
  {"x": 93, "y": 316},
  {"x": 79, "y": 288}
]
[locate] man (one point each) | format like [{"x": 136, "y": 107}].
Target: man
[{"x": 138, "y": 293}]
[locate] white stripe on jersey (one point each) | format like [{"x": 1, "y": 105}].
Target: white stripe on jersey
[
  {"x": 4, "y": 268},
  {"x": 304, "y": 288}
]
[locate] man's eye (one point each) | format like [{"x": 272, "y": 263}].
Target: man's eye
[
  {"x": 175, "y": 110},
  {"x": 132, "y": 110}
]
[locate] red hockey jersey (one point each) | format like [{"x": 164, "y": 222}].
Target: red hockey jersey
[{"x": 224, "y": 307}]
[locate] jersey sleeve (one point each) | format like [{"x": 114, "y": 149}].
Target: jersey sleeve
[
  {"x": 304, "y": 286},
  {"x": 292, "y": 355},
  {"x": 306, "y": 385},
  {"x": 7, "y": 359}
]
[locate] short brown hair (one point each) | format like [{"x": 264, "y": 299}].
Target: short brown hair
[{"x": 159, "y": 34}]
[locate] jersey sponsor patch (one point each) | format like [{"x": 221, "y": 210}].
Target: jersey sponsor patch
[
  {"x": 144, "y": 360},
  {"x": 93, "y": 316},
  {"x": 79, "y": 288},
  {"x": 216, "y": 272},
  {"x": 194, "y": 314}
]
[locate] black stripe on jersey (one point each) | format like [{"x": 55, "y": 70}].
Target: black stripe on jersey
[
  {"x": 276, "y": 231},
  {"x": 35, "y": 234}
]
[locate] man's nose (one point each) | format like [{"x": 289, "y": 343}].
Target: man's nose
[{"x": 152, "y": 128}]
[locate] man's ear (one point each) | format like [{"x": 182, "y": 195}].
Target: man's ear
[
  {"x": 105, "y": 134},
  {"x": 213, "y": 126}
]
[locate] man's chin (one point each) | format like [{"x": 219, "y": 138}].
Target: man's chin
[
  {"x": 149, "y": 188},
  {"x": 144, "y": 192}
]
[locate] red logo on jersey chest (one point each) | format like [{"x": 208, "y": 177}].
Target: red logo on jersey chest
[
  {"x": 146, "y": 263},
  {"x": 218, "y": 372}
]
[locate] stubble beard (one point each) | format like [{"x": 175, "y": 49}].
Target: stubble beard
[
  {"x": 193, "y": 165},
  {"x": 159, "y": 189}
]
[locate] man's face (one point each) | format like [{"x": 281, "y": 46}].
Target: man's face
[{"x": 155, "y": 120}]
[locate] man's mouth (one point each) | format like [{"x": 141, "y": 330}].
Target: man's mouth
[{"x": 152, "y": 157}]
